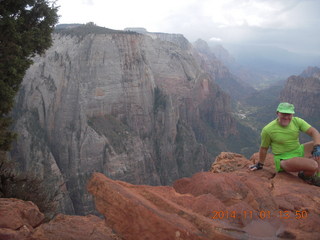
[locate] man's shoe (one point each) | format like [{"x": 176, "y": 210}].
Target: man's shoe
[{"x": 314, "y": 180}]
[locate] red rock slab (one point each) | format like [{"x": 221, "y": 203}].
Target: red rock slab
[
  {"x": 298, "y": 205},
  {"x": 229, "y": 162},
  {"x": 15, "y": 213},
  {"x": 227, "y": 187},
  {"x": 18, "y": 218},
  {"x": 237, "y": 204},
  {"x": 19, "y": 234},
  {"x": 65, "y": 227},
  {"x": 145, "y": 212},
  {"x": 279, "y": 198}
]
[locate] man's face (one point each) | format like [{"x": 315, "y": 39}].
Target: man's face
[{"x": 284, "y": 118}]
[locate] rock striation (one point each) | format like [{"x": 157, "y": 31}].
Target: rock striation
[
  {"x": 227, "y": 202},
  {"x": 140, "y": 108}
]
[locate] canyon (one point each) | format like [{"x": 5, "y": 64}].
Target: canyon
[
  {"x": 140, "y": 108},
  {"x": 140, "y": 137},
  {"x": 143, "y": 108}
]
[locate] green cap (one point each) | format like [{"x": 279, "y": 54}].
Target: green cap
[{"x": 285, "y": 107}]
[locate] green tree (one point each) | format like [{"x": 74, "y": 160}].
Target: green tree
[{"x": 25, "y": 30}]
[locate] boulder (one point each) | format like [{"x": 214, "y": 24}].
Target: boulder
[
  {"x": 18, "y": 218},
  {"x": 22, "y": 220},
  {"x": 66, "y": 227}
]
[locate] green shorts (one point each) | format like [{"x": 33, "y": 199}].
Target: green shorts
[{"x": 299, "y": 152}]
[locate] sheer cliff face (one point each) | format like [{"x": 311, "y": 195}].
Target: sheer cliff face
[
  {"x": 304, "y": 92},
  {"x": 134, "y": 107}
]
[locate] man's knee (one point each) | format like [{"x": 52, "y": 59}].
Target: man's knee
[
  {"x": 312, "y": 165},
  {"x": 299, "y": 164},
  {"x": 287, "y": 165},
  {"x": 315, "y": 165}
]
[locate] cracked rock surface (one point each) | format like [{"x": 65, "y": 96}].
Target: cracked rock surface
[{"x": 229, "y": 202}]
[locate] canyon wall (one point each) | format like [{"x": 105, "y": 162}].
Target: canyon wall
[
  {"x": 304, "y": 92},
  {"x": 140, "y": 108}
]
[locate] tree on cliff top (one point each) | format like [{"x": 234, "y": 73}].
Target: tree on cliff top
[{"x": 25, "y": 30}]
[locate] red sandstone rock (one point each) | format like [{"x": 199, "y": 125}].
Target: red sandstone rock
[
  {"x": 18, "y": 218},
  {"x": 244, "y": 205},
  {"x": 21, "y": 220},
  {"x": 65, "y": 227},
  {"x": 236, "y": 204},
  {"x": 229, "y": 162},
  {"x": 16, "y": 213},
  {"x": 145, "y": 212}
]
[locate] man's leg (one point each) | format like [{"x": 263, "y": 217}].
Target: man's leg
[
  {"x": 308, "y": 165},
  {"x": 308, "y": 147}
]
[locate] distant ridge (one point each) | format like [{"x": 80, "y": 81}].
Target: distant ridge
[
  {"x": 136, "y": 29},
  {"x": 68, "y": 25},
  {"x": 85, "y": 29}
]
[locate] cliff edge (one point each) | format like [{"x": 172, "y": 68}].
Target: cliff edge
[{"x": 228, "y": 202}]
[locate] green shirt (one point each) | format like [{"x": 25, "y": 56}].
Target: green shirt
[{"x": 283, "y": 139}]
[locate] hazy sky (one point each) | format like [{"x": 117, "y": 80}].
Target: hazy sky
[{"x": 290, "y": 24}]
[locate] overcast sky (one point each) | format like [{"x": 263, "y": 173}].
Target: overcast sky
[{"x": 290, "y": 24}]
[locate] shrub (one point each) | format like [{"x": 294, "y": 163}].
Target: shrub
[{"x": 26, "y": 186}]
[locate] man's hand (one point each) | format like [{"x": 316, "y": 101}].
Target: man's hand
[
  {"x": 256, "y": 166},
  {"x": 316, "y": 152}
]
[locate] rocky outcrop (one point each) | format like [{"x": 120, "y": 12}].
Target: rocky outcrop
[
  {"x": 303, "y": 91},
  {"x": 311, "y": 72},
  {"x": 137, "y": 108},
  {"x": 228, "y": 202},
  {"x": 66, "y": 227},
  {"x": 20, "y": 220}
]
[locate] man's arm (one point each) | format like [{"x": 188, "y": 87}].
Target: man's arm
[
  {"x": 312, "y": 132},
  {"x": 262, "y": 154},
  {"x": 262, "y": 157}
]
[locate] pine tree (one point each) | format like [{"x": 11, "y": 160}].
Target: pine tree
[{"x": 25, "y": 30}]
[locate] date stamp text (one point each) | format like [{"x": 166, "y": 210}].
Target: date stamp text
[{"x": 261, "y": 214}]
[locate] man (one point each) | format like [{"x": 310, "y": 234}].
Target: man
[{"x": 282, "y": 134}]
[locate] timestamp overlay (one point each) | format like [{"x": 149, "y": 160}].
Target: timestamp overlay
[{"x": 262, "y": 214}]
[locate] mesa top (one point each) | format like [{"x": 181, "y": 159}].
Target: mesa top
[{"x": 283, "y": 139}]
